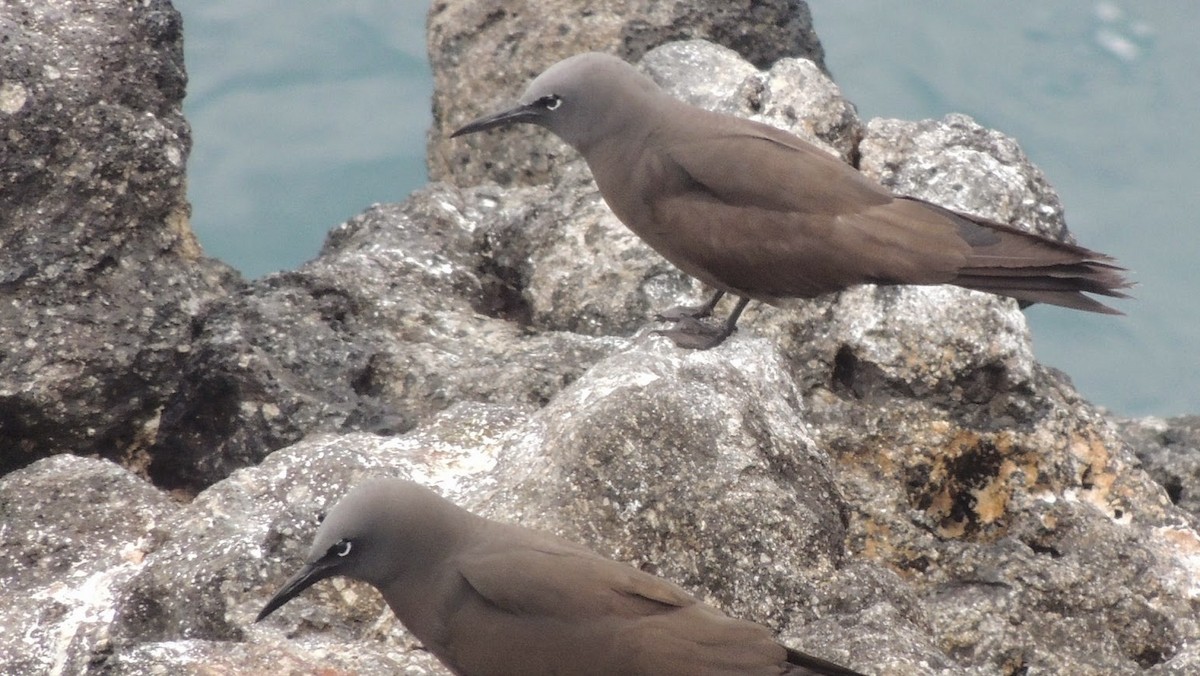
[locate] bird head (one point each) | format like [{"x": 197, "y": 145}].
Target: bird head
[
  {"x": 581, "y": 99},
  {"x": 381, "y": 532}
]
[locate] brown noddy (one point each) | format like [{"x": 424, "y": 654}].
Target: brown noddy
[
  {"x": 492, "y": 598},
  {"x": 759, "y": 213}
]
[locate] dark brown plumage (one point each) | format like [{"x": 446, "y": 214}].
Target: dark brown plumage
[
  {"x": 494, "y": 598},
  {"x": 757, "y": 212}
]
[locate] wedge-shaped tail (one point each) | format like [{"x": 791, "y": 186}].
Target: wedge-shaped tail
[{"x": 1034, "y": 269}]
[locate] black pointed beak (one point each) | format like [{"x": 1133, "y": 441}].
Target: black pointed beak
[
  {"x": 307, "y": 577},
  {"x": 517, "y": 114}
]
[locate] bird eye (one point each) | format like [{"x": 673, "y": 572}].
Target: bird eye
[
  {"x": 341, "y": 548},
  {"x": 551, "y": 102}
]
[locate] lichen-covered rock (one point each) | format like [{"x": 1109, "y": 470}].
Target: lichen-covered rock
[
  {"x": 960, "y": 165},
  {"x": 885, "y": 476},
  {"x": 100, "y": 274},
  {"x": 227, "y": 550},
  {"x": 698, "y": 463},
  {"x": 73, "y": 532},
  {"x": 195, "y": 657},
  {"x": 483, "y": 55},
  {"x": 793, "y": 94},
  {"x": 893, "y": 535},
  {"x": 574, "y": 267},
  {"x": 402, "y": 314},
  {"x": 1169, "y": 450}
]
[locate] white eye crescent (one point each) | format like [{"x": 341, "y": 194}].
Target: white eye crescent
[
  {"x": 553, "y": 103},
  {"x": 343, "y": 548}
]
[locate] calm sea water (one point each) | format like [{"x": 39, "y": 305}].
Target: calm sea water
[{"x": 305, "y": 113}]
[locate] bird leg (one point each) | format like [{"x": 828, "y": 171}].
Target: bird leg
[
  {"x": 693, "y": 334},
  {"x": 683, "y": 312}
]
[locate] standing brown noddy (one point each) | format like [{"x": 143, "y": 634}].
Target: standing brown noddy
[
  {"x": 493, "y": 598},
  {"x": 757, "y": 212}
]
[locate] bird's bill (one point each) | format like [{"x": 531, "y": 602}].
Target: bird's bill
[
  {"x": 519, "y": 113},
  {"x": 307, "y": 577}
]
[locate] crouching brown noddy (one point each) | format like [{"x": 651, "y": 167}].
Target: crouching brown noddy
[
  {"x": 494, "y": 598},
  {"x": 757, "y": 212}
]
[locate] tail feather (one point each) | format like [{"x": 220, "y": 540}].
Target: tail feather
[
  {"x": 997, "y": 283},
  {"x": 1062, "y": 270},
  {"x": 1073, "y": 299},
  {"x": 1035, "y": 269},
  {"x": 1070, "y": 299}
]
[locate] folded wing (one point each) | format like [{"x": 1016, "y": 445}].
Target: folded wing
[{"x": 759, "y": 212}]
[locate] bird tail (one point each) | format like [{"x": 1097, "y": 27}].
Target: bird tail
[{"x": 1035, "y": 269}]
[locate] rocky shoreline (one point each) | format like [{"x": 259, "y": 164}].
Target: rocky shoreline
[{"x": 886, "y": 476}]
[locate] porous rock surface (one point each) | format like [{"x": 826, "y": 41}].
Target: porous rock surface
[
  {"x": 1169, "y": 449},
  {"x": 886, "y": 477},
  {"x": 100, "y": 275},
  {"x": 483, "y": 54},
  {"x": 401, "y": 315}
]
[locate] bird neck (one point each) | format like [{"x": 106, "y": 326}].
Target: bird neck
[
  {"x": 421, "y": 592},
  {"x": 411, "y": 600}
]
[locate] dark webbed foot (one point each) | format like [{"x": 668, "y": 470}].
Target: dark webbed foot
[
  {"x": 683, "y": 312},
  {"x": 693, "y": 334}
]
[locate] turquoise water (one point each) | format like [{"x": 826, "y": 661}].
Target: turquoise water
[
  {"x": 302, "y": 114},
  {"x": 305, "y": 113}
]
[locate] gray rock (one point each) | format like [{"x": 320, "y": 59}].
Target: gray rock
[
  {"x": 484, "y": 54},
  {"x": 960, "y": 165},
  {"x": 623, "y": 283},
  {"x": 793, "y": 94},
  {"x": 612, "y": 461},
  {"x": 402, "y": 314},
  {"x": 208, "y": 579},
  {"x": 892, "y": 535},
  {"x": 73, "y": 531},
  {"x": 194, "y": 657},
  {"x": 100, "y": 274},
  {"x": 700, "y": 72},
  {"x": 633, "y": 457},
  {"x": 1170, "y": 451},
  {"x": 885, "y": 477}
]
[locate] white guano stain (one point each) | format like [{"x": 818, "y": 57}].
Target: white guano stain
[{"x": 13, "y": 96}]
